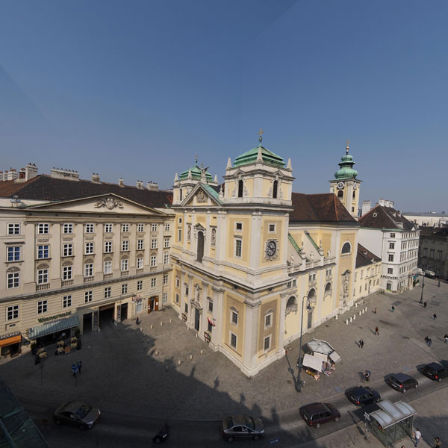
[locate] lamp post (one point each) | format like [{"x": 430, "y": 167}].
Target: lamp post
[
  {"x": 423, "y": 285},
  {"x": 299, "y": 363}
]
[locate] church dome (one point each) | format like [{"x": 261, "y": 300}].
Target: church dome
[
  {"x": 251, "y": 156},
  {"x": 346, "y": 170}
]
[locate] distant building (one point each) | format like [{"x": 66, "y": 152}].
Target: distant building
[
  {"x": 433, "y": 253},
  {"x": 386, "y": 232},
  {"x": 428, "y": 219}
]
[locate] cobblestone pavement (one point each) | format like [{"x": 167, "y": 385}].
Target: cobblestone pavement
[{"x": 162, "y": 370}]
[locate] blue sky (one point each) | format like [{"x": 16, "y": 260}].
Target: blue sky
[{"x": 137, "y": 88}]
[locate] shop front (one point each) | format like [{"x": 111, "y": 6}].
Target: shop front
[
  {"x": 153, "y": 304},
  {"x": 10, "y": 344},
  {"x": 51, "y": 331}
]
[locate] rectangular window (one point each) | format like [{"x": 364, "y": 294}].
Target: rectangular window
[
  {"x": 177, "y": 298},
  {"x": 271, "y": 228},
  {"x": 187, "y": 289},
  {"x": 153, "y": 282},
  {"x": 88, "y": 270},
  {"x": 139, "y": 244},
  {"x": 154, "y": 244},
  {"x": 107, "y": 247},
  {"x": 13, "y": 229},
  {"x": 233, "y": 340},
  {"x": 210, "y": 306},
  {"x": 125, "y": 227},
  {"x": 238, "y": 247},
  {"x": 107, "y": 228},
  {"x": 67, "y": 228},
  {"x": 88, "y": 296},
  {"x": 13, "y": 253},
  {"x": 392, "y": 235},
  {"x": 390, "y": 270},
  {"x": 166, "y": 242},
  {"x": 239, "y": 226},
  {"x": 165, "y": 279},
  {"x": 108, "y": 267},
  {"x": 42, "y": 276},
  {"x": 391, "y": 245},
  {"x": 268, "y": 320},
  {"x": 67, "y": 250},
  {"x": 42, "y": 252},
  {"x": 125, "y": 245},
  {"x": 177, "y": 282},
  {"x": 166, "y": 257},
  {"x": 66, "y": 273},
  {"x": 89, "y": 248},
  {"x": 140, "y": 263},
  {"x": 164, "y": 298},
  {"x": 167, "y": 227},
  {"x": 209, "y": 326},
  {"x": 107, "y": 292},
  {"x": 140, "y": 227},
  {"x": 124, "y": 265},
  {"x": 66, "y": 301},
  {"x": 13, "y": 279},
  {"x": 89, "y": 228},
  {"x": 124, "y": 288},
  {"x": 13, "y": 312},
  {"x": 179, "y": 235},
  {"x": 153, "y": 261},
  {"x": 186, "y": 308},
  {"x": 391, "y": 257},
  {"x": 139, "y": 285},
  {"x": 154, "y": 227},
  {"x": 234, "y": 317},
  {"x": 43, "y": 228},
  {"x": 42, "y": 306},
  {"x": 267, "y": 343}
]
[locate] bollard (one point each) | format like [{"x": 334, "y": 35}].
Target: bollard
[
  {"x": 202, "y": 351},
  {"x": 151, "y": 326},
  {"x": 360, "y": 313},
  {"x": 191, "y": 357},
  {"x": 356, "y": 305},
  {"x": 179, "y": 362},
  {"x": 336, "y": 317},
  {"x": 161, "y": 323},
  {"x": 354, "y": 317},
  {"x": 346, "y": 321},
  {"x": 170, "y": 320},
  {"x": 350, "y": 320}
]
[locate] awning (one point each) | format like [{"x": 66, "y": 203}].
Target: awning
[
  {"x": 317, "y": 345},
  {"x": 53, "y": 327},
  {"x": 334, "y": 357},
  {"x": 392, "y": 413},
  {"x": 312, "y": 362},
  {"x": 15, "y": 339}
]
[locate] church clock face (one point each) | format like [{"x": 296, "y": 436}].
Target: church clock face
[
  {"x": 340, "y": 185},
  {"x": 271, "y": 248}
]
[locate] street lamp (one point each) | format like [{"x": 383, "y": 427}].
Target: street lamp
[
  {"x": 299, "y": 363},
  {"x": 423, "y": 285}
]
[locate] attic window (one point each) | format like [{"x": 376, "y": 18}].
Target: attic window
[{"x": 375, "y": 214}]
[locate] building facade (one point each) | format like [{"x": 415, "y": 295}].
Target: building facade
[
  {"x": 387, "y": 233},
  {"x": 433, "y": 251},
  {"x": 367, "y": 273},
  {"x": 78, "y": 263}
]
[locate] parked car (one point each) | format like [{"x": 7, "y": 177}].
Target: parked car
[
  {"x": 315, "y": 414},
  {"x": 401, "y": 382},
  {"x": 430, "y": 274},
  {"x": 242, "y": 427},
  {"x": 435, "y": 371},
  {"x": 77, "y": 413},
  {"x": 362, "y": 395}
]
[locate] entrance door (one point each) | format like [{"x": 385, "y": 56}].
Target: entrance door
[
  {"x": 150, "y": 304},
  {"x": 87, "y": 322},
  {"x": 124, "y": 311},
  {"x": 156, "y": 303},
  {"x": 197, "y": 318},
  {"x": 310, "y": 318}
]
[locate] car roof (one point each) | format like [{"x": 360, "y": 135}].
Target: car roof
[
  {"x": 435, "y": 365},
  {"x": 315, "y": 407},
  {"x": 403, "y": 377},
  {"x": 71, "y": 406}
]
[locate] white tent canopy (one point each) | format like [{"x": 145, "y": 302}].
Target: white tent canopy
[
  {"x": 320, "y": 346},
  {"x": 313, "y": 362}
]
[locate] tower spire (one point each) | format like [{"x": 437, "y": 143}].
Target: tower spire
[{"x": 347, "y": 147}]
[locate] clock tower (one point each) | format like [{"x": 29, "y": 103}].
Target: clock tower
[{"x": 345, "y": 185}]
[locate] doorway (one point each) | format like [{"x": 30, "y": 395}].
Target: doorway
[
  {"x": 197, "y": 319},
  {"x": 106, "y": 315},
  {"x": 153, "y": 304},
  {"x": 87, "y": 323},
  {"x": 124, "y": 311}
]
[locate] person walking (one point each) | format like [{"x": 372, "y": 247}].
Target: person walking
[
  {"x": 74, "y": 369},
  {"x": 434, "y": 316},
  {"x": 377, "y": 331},
  {"x": 393, "y": 308},
  {"x": 425, "y": 304},
  {"x": 437, "y": 442},
  {"x": 79, "y": 366},
  {"x": 361, "y": 343},
  {"x": 417, "y": 436}
]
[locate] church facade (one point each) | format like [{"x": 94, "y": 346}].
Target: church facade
[{"x": 253, "y": 262}]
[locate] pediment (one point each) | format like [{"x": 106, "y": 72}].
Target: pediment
[
  {"x": 107, "y": 203},
  {"x": 202, "y": 196}
]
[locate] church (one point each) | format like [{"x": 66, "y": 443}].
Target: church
[{"x": 253, "y": 262}]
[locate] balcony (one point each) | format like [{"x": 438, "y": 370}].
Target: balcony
[
  {"x": 43, "y": 286},
  {"x": 66, "y": 283},
  {"x": 106, "y": 276},
  {"x": 89, "y": 279}
]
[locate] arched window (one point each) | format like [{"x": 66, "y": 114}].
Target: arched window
[
  {"x": 240, "y": 188},
  {"x": 328, "y": 289},
  {"x": 312, "y": 294},
  {"x": 354, "y": 194},
  {"x": 346, "y": 248},
  {"x": 200, "y": 251},
  {"x": 340, "y": 194},
  {"x": 275, "y": 189},
  {"x": 291, "y": 306}
]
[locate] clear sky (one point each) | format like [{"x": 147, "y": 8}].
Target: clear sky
[{"x": 136, "y": 88}]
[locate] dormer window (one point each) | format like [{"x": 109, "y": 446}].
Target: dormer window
[
  {"x": 275, "y": 189},
  {"x": 240, "y": 188}
]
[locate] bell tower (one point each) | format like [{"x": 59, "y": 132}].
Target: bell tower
[{"x": 345, "y": 185}]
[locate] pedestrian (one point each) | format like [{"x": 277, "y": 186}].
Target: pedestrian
[
  {"x": 377, "y": 331},
  {"x": 424, "y": 304},
  {"x": 393, "y": 308},
  {"x": 429, "y": 342},
  {"x": 445, "y": 338},
  {"x": 437, "y": 442},
  {"x": 79, "y": 366},
  {"x": 362, "y": 343},
  {"x": 417, "y": 436},
  {"x": 74, "y": 369},
  {"x": 426, "y": 339},
  {"x": 137, "y": 321},
  {"x": 374, "y": 310},
  {"x": 434, "y": 316}
]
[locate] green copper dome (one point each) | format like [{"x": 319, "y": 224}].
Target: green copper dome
[
  {"x": 251, "y": 157},
  {"x": 196, "y": 172},
  {"x": 346, "y": 170}
]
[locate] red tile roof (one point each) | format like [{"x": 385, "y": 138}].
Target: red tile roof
[
  {"x": 364, "y": 257},
  {"x": 381, "y": 217}
]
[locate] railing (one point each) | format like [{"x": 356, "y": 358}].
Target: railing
[
  {"x": 124, "y": 273},
  {"x": 43, "y": 286},
  {"x": 88, "y": 279},
  {"x": 67, "y": 282},
  {"x": 105, "y": 276}
]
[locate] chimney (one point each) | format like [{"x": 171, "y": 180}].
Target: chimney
[
  {"x": 63, "y": 173},
  {"x": 11, "y": 174},
  {"x": 30, "y": 171},
  {"x": 152, "y": 186},
  {"x": 96, "y": 178},
  {"x": 140, "y": 185},
  {"x": 366, "y": 206},
  {"x": 121, "y": 182}
]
